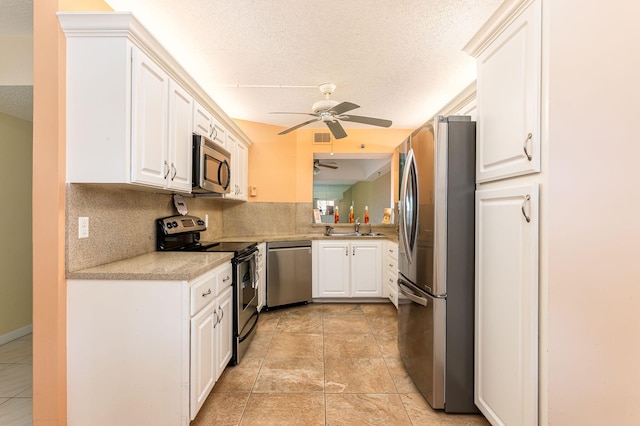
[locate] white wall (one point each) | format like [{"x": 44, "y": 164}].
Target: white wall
[{"x": 593, "y": 213}]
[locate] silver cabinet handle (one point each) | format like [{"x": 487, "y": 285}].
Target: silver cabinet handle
[
  {"x": 217, "y": 321},
  {"x": 224, "y": 280},
  {"x": 166, "y": 169},
  {"x": 210, "y": 130},
  {"x": 354, "y": 251},
  {"x": 214, "y": 133},
  {"x": 175, "y": 171},
  {"x": 527, "y": 199},
  {"x": 207, "y": 293},
  {"x": 529, "y": 136},
  {"x": 220, "y": 319}
]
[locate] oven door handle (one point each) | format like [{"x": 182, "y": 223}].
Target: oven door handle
[
  {"x": 246, "y": 257},
  {"x": 241, "y": 338}
]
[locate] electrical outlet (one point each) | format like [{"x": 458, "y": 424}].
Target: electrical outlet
[{"x": 83, "y": 227}]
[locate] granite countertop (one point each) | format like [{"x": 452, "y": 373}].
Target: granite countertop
[
  {"x": 185, "y": 266},
  {"x": 167, "y": 266}
]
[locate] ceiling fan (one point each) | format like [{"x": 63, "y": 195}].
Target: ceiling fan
[{"x": 332, "y": 112}]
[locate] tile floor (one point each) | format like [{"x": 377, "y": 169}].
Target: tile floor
[
  {"x": 320, "y": 364},
  {"x": 16, "y": 386},
  {"x": 323, "y": 364}
]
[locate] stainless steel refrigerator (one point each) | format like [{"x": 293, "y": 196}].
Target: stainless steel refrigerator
[{"x": 436, "y": 262}]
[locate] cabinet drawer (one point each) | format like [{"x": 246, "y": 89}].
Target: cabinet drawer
[
  {"x": 202, "y": 291},
  {"x": 391, "y": 251},
  {"x": 225, "y": 277},
  {"x": 390, "y": 278}
]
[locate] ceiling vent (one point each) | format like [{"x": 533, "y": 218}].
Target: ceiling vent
[{"x": 322, "y": 137}]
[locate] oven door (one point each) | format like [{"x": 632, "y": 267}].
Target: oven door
[{"x": 247, "y": 293}]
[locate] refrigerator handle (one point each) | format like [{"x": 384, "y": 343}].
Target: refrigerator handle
[
  {"x": 411, "y": 295},
  {"x": 404, "y": 237}
]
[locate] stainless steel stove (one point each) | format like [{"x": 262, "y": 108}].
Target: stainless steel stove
[{"x": 182, "y": 233}]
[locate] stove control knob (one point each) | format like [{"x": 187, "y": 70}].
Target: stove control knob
[
  {"x": 169, "y": 225},
  {"x": 175, "y": 224},
  {"x": 201, "y": 222}
]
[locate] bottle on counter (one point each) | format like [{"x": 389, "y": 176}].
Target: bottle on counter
[
  {"x": 336, "y": 215},
  {"x": 366, "y": 214},
  {"x": 351, "y": 214}
]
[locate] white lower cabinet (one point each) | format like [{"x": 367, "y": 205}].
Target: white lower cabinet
[
  {"x": 506, "y": 345},
  {"x": 211, "y": 334},
  {"x": 146, "y": 351},
  {"x": 348, "y": 268}
]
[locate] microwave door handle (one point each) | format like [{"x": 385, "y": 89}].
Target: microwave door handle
[{"x": 224, "y": 166}]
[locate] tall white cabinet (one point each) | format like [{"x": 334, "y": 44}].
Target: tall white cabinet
[{"x": 508, "y": 173}]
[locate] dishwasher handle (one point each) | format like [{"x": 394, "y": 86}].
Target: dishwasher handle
[{"x": 289, "y": 249}]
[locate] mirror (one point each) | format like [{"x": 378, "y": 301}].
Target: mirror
[{"x": 359, "y": 180}]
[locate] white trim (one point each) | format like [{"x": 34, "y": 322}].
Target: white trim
[
  {"x": 495, "y": 25},
  {"x": 463, "y": 99},
  {"x": 16, "y": 334}
]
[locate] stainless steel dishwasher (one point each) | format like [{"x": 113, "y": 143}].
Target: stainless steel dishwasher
[{"x": 288, "y": 273}]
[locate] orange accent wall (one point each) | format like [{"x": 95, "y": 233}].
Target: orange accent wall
[
  {"x": 49, "y": 284},
  {"x": 281, "y": 166}
]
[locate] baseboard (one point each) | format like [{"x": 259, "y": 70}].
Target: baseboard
[{"x": 16, "y": 334}]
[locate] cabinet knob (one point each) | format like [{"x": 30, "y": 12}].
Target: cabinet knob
[{"x": 529, "y": 136}]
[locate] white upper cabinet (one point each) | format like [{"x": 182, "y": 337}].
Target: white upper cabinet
[
  {"x": 161, "y": 127},
  {"x": 508, "y": 85},
  {"x": 180, "y": 138},
  {"x": 239, "y": 168},
  {"x": 131, "y": 110},
  {"x": 150, "y": 106},
  {"x": 202, "y": 120}
]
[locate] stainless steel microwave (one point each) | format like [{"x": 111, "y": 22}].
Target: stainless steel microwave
[{"x": 211, "y": 167}]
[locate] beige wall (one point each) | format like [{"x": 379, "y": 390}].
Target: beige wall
[
  {"x": 15, "y": 252},
  {"x": 592, "y": 71}
]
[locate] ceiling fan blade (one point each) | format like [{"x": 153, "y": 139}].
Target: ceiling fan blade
[
  {"x": 328, "y": 166},
  {"x": 302, "y": 113},
  {"x": 343, "y": 107},
  {"x": 366, "y": 120},
  {"x": 297, "y": 126},
  {"x": 336, "y": 129}
]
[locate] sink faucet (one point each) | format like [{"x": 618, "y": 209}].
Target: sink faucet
[
  {"x": 357, "y": 225},
  {"x": 327, "y": 230}
]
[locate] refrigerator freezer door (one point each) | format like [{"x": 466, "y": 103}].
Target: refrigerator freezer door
[{"x": 421, "y": 340}]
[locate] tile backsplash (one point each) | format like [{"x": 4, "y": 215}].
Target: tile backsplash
[{"x": 122, "y": 221}]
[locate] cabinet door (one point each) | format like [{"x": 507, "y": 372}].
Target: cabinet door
[
  {"x": 202, "y": 120},
  {"x": 203, "y": 361},
  {"x": 509, "y": 100},
  {"x": 150, "y": 94},
  {"x": 366, "y": 272},
  {"x": 333, "y": 269},
  {"x": 506, "y": 328},
  {"x": 239, "y": 168},
  {"x": 242, "y": 169},
  {"x": 180, "y": 140},
  {"x": 224, "y": 330}
]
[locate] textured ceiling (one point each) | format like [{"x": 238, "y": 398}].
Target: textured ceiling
[
  {"x": 398, "y": 60},
  {"x": 401, "y": 61}
]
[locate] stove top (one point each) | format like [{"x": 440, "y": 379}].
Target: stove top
[{"x": 230, "y": 246}]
